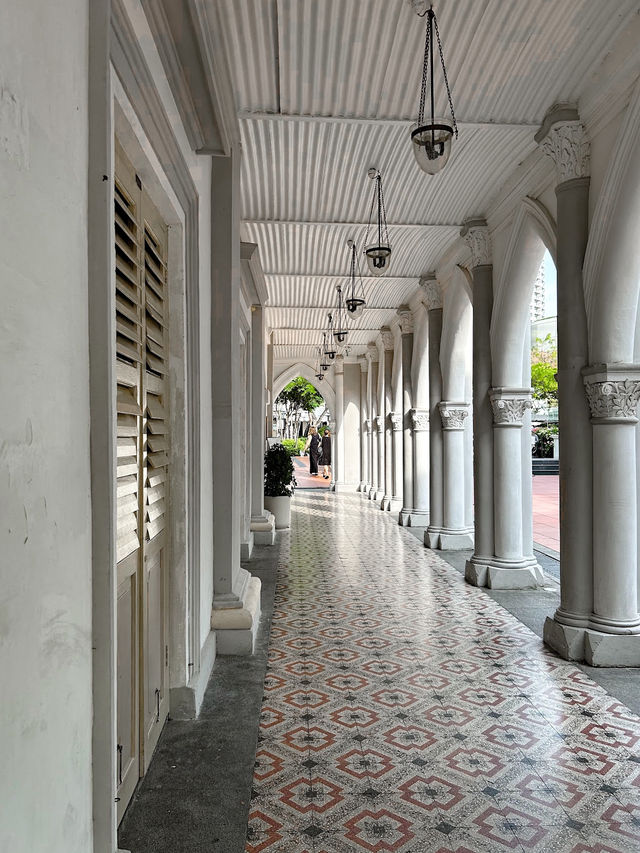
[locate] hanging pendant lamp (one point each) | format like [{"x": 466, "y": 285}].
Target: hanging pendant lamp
[
  {"x": 378, "y": 250},
  {"x": 329, "y": 350},
  {"x": 340, "y": 330},
  {"x": 319, "y": 374},
  {"x": 431, "y": 140},
  {"x": 355, "y": 302},
  {"x": 324, "y": 362}
]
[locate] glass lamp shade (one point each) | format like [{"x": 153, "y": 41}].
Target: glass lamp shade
[
  {"x": 324, "y": 365},
  {"x": 331, "y": 353},
  {"x": 340, "y": 335},
  {"x": 432, "y": 145},
  {"x": 378, "y": 258},
  {"x": 319, "y": 376},
  {"x": 355, "y": 307}
]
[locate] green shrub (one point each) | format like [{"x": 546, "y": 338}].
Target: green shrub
[
  {"x": 279, "y": 481},
  {"x": 543, "y": 448},
  {"x": 294, "y": 446}
]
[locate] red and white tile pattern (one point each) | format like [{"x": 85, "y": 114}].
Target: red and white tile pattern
[{"x": 406, "y": 711}]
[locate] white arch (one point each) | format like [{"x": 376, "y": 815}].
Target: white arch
[
  {"x": 612, "y": 258},
  {"x": 455, "y": 344},
  {"x": 532, "y": 232},
  {"x": 301, "y": 368}
]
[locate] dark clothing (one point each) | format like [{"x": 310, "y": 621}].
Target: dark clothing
[
  {"x": 326, "y": 450},
  {"x": 314, "y": 448}
]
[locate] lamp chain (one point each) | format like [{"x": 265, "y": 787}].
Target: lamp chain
[
  {"x": 425, "y": 72},
  {"x": 446, "y": 79}
]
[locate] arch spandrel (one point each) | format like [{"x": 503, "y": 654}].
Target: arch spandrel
[{"x": 307, "y": 371}]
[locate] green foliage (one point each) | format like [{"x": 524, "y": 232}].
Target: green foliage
[
  {"x": 544, "y": 364},
  {"x": 543, "y": 448},
  {"x": 299, "y": 396},
  {"x": 279, "y": 481},
  {"x": 294, "y": 446}
]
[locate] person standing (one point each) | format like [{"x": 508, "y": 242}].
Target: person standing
[
  {"x": 326, "y": 454},
  {"x": 313, "y": 446}
]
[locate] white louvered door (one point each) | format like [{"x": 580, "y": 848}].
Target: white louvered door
[{"x": 141, "y": 484}]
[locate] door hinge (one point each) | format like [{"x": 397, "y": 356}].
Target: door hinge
[{"x": 166, "y": 655}]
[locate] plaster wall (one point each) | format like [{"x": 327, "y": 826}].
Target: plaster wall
[
  {"x": 45, "y": 567},
  {"x": 351, "y": 424}
]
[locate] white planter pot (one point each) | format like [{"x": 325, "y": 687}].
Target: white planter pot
[{"x": 281, "y": 509}]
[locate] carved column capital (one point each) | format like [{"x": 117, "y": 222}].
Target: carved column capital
[
  {"x": 613, "y": 393},
  {"x": 396, "y": 421},
  {"x": 509, "y": 405},
  {"x": 368, "y": 424},
  {"x": 453, "y": 414},
  {"x": 431, "y": 292},
  {"x": 339, "y": 364},
  {"x": 386, "y": 337},
  {"x": 563, "y": 138},
  {"x": 372, "y": 352},
  {"x": 405, "y": 320},
  {"x": 420, "y": 419},
  {"x": 364, "y": 364},
  {"x": 380, "y": 423},
  {"x": 475, "y": 233}
]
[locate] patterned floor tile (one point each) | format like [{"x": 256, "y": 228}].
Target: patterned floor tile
[{"x": 406, "y": 711}]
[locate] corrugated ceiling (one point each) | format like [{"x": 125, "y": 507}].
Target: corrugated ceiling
[{"x": 341, "y": 81}]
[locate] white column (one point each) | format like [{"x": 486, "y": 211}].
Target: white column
[
  {"x": 373, "y": 414},
  {"x": 233, "y": 587},
  {"x": 433, "y": 302},
  {"x": 477, "y": 238},
  {"x": 246, "y": 539},
  {"x": 270, "y": 399},
  {"x": 364, "y": 431},
  {"x": 454, "y": 534},
  {"x": 396, "y": 428},
  {"x": 387, "y": 431},
  {"x": 564, "y": 139},
  {"x": 380, "y": 418},
  {"x": 510, "y": 567},
  {"x": 262, "y": 522},
  {"x": 405, "y": 321},
  {"x": 338, "y": 445},
  {"x": 420, "y": 424},
  {"x": 613, "y": 636}
]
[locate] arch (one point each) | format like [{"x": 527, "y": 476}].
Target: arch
[
  {"x": 612, "y": 258},
  {"x": 301, "y": 368},
  {"x": 532, "y": 232},
  {"x": 455, "y": 345}
]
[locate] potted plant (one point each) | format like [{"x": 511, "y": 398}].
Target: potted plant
[{"x": 279, "y": 484}]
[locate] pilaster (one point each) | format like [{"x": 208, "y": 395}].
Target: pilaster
[
  {"x": 432, "y": 300},
  {"x": 405, "y": 322},
  {"x": 396, "y": 421},
  {"x": 364, "y": 437},
  {"x": 454, "y": 534},
  {"x": 420, "y": 426}
]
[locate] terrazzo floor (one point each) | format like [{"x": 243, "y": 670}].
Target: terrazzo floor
[{"x": 404, "y": 710}]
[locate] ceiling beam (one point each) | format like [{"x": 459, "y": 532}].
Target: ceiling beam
[
  {"x": 262, "y": 116},
  {"x": 443, "y": 225}
]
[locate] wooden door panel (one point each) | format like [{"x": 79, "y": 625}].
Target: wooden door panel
[{"x": 128, "y": 731}]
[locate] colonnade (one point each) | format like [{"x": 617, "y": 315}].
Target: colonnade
[{"x": 417, "y": 433}]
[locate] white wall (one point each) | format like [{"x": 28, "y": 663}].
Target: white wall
[{"x": 45, "y": 547}]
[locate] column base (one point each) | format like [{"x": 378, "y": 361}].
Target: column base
[
  {"x": 419, "y": 518},
  {"x": 519, "y": 574},
  {"x": 475, "y": 570},
  {"x": 185, "y": 702},
  {"x": 404, "y": 517},
  {"x": 394, "y": 505},
  {"x": 565, "y": 640},
  {"x": 246, "y": 548},
  {"x": 455, "y": 540},
  {"x": 264, "y": 529},
  {"x": 363, "y": 487},
  {"x": 602, "y": 649},
  {"x": 236, "y": 627},
  {"x": 432, "y": 538},
  {"x": 341, "y": 488}
]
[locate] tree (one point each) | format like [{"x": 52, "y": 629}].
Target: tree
[
  {"x": 544, "y": 364},
  {"x": 297, "y": 397}
]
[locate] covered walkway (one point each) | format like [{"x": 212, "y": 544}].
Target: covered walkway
[{"x": 404, "y": 710}]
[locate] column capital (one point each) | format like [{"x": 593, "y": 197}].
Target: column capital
[
  {"x": 420, "y": 419},
  {"x": 405, "y": 319},
  {"x": 453, "y": 414},
  {"x": 386, "y": 336},
  {"x": 364, "y": 364},
  {"x": 563, "y": 138},
  {"x": 379, "y": 422},
  {"x": 509, "y": 405},
  {"x": 372, "y": 352},
  {"x": 431, "y": 291},
  {"x": 475, "y": 233},
  {"x": 613, "y": 392},
  {"x": 396, "y": 421},
  {"x": 369, "y": 424},
  {"x": 339, "y": 364}
]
